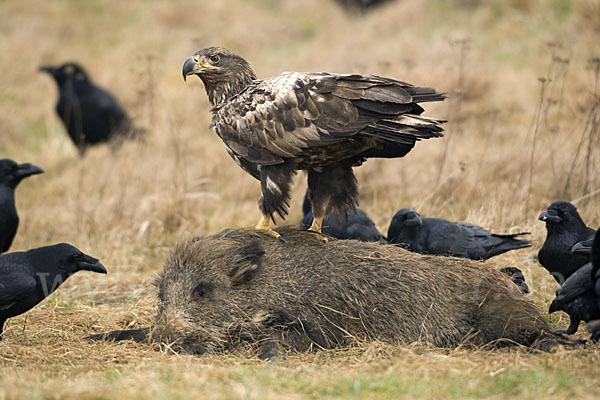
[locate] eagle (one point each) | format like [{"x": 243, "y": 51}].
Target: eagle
[{"x": 323, "y": 123}]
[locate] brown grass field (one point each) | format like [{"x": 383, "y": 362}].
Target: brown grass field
[{"x": 523, "y": 131}]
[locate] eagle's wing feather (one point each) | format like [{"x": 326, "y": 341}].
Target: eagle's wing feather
[{"x": 280, "y": 117}]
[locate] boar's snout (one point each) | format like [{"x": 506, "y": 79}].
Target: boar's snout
[
  {"x": 172, "y": 329},
  {"x": 175, "y": 330}
]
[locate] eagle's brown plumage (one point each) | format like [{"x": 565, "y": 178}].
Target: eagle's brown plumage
[{"x": 320, "y": 122}]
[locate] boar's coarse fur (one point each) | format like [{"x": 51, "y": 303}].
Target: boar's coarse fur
[{"x": 242, "y": 286}]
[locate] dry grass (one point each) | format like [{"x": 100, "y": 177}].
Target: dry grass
[{"x": 515, "y": 143}]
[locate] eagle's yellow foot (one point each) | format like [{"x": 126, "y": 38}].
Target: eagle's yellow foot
[
  {"x": 315, "y": 228},
  {"x": 263, "y": 225}
]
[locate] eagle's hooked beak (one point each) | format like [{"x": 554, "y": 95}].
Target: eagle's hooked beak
[{"x": 191, "y": 66}]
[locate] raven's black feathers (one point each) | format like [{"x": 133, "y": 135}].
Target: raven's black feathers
[
  {"x": 564, "y": 228},
  {"x": 356, "y": 225},
  {"x": 11, "y": 175},
  {"x": 90, "y": 114},
  {"x": 578, "y": 298},
  {"x": 458, "y": 239},
  {"x": 28, "y": 277}
]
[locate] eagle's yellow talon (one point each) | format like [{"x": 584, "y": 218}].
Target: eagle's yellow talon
[
  {"x": 263, "y": 225},
  {"x": 315, "y": 227},
  {"x": 320, "y": 235}
]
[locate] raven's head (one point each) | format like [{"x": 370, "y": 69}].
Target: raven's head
[
  {"x": 405, "y": 224},
  {"x": 408, "y": 217},
  {"x": 63, "y": 259},
  {"x": 558, "y": 304},
  {"x": 11, "y": 173},
  {"x": 561, "y": 213},
  {"x": 584, "y": 247},
  {"x": 68, "y": 72}
]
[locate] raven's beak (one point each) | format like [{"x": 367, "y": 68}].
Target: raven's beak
[
  {"x": 190, "y": 67},
  {"x": 48, "y": 69},
  {"x": 548, "y": 217},
  {"x": 524, "y": 287},
  {"x": 25, "y": 170},
  {"x": 89, "y": 263},
  {"x": 555, "y": 306},
  {"x": 413, "y": 219},
  {"x": 583, "y": 247}
]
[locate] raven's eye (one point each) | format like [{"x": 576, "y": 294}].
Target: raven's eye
[
  {"x": 76, "y": 257},
  {"x": 214, "y": 59},
  {"x": 201, "y": 291}
]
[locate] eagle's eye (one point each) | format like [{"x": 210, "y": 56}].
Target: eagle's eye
[{"x": 214, "y": 59}]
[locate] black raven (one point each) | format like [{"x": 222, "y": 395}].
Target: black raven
[
  {"x": 11, "y": 175},
  {"x": 578, "y": 298},
  {"x": 564, "y": 228},
  {"x": 517, "y": 277},
  {"x": 90, "y": 114},
  {"x": 28, "y": 277},
  {"x": 591, "y": 248},
  {"x": 324, "y": 123},
  {"x": 356, "y": 225},
  {"x": 594, "y": 326},
  {"x": 458, "y": 239}
]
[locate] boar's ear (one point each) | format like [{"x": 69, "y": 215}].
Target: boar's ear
[{"x": 246, "y": 261}]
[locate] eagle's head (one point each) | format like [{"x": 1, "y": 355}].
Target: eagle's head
[
  {"x": 224, "y": 73},
  {"x": 215, "y": 64}
]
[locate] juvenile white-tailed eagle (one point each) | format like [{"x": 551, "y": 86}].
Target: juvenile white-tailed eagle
[{"x": 320, "y": 122}]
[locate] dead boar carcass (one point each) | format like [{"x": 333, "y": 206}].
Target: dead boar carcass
[{"x": 241, "y": 286}]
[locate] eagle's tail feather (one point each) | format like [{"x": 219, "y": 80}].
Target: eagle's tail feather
[{"x": 405, "y": 129}]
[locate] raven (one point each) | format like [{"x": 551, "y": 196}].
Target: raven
[
  {"x": 594, "y": 326},
  {"x": 578, "y": 298},
  {"x": 458, "y": 239},
  {"x": 517, "y": 277},
  {"x": 28, "y": 277},
  {"x": 591, "y": 249},
  {"x": 564, "y": 228},
  {"x": 324, "y": 123},
  {"x": 90, "y": 114},
  {"x": 353, "y": 225},
  {"x": 11, "y": 174}
]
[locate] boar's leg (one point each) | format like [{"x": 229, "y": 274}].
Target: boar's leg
[
  {"x": 573, "y": 326},
  {"x": 269, "y": 351}
]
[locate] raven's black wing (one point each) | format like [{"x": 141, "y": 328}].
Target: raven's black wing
[{"x": 14, "y": 284}]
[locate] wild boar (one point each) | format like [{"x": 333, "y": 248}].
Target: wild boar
[{"x": 242, "y": 286}]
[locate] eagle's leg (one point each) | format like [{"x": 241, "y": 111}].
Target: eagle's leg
[
  {"x": 331, "y": 190},
  {"x": 275, "y": 184},
  {"x": 316, "y": 224}
]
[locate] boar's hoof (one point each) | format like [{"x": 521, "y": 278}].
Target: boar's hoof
[{"x": 268, "y": 352}]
